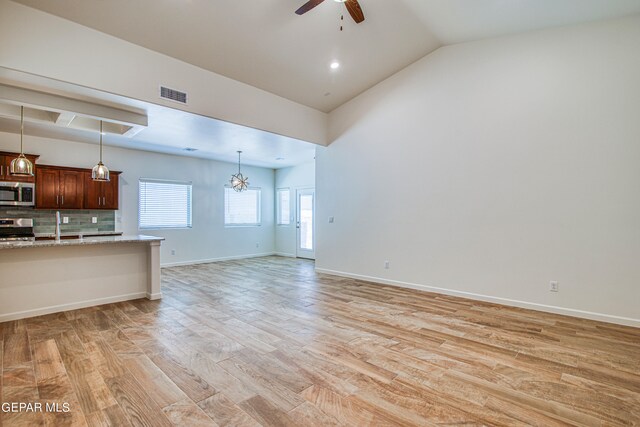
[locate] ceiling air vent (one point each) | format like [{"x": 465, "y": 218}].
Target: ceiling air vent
[{"x": 173, "y": 95}]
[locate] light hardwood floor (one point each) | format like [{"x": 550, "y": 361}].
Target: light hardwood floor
[{"x": 269, "y": 342}]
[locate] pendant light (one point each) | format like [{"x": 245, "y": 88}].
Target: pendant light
[
  {"x": 238, "y": 182},
  {"x": 100, "y": 172},
  {"x": 21, "y": 166}
]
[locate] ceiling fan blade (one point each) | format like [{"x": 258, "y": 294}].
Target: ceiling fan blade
[
  {"x": 308, "y": 6},
  {"x": 355, "y": 10}
]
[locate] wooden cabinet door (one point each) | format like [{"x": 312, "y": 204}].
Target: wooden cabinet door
[
  {"x": 5, "y": 165},
  {"x": 4, "y": 168},
  {"x": 92, "y": 192},
  {"x": 71, "y": 189},
  {"x": 101, "y": 195},
  {"x": 47, "y": 188},
  {"x": 110, "y": 193}
]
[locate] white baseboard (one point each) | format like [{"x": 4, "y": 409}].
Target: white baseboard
[
  {"x": 71, "y": 306},
  {"x": 207, "y": 261},
  {"x": 157, "y": 295},
  {"x": 627, "y": 321},
  {"x": 284, "y": 254}
]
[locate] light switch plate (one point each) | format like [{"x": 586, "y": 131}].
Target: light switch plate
[
  {"x": 65, "y": 220},
  {"x": 94, "y": 220}
]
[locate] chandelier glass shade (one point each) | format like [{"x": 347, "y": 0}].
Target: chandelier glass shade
[
  {"x": 21, "y": 166},
  {"x": 238, "y": 181}
]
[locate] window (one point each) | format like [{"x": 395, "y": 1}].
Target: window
[
  {"x": 241, "y": 208},
  {"x": 283, "y": 206},
  {"x": 164, "y": 204}
]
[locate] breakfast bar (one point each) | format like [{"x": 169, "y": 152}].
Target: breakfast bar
[{"x": 48, "y": 276}]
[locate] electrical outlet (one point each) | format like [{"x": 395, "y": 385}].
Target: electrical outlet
[
  {"x": 553, "y": 286},
  {"x": 94, "y": 220},
  {"x": 65, "y": 220},
  {"x": 173, "y": 251},
  {"x": 386, "y": 265},
  {"x": 330, "y": 220}
]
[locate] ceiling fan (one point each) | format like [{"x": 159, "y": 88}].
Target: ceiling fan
[{"x": 352, "y": 6}]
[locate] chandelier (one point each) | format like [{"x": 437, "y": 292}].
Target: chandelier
[{"x": 239, "y": 182}]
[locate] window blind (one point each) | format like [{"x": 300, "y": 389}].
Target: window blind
[
  {"x": 242, "y": 208},
  {"x": 284, "y": 206},
  {"x": 164, "y": 204}
]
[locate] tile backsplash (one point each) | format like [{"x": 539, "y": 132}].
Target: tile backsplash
[{"x": 44, "y": 221}]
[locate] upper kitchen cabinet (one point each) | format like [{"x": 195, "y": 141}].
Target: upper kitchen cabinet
[
  {"x": 5, "y": 164},
  {"x": 99, "y": 194},
  {"x": 59, "y": 188}
]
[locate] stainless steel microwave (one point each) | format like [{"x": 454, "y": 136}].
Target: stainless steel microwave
[{"x": 17, "y": 194}]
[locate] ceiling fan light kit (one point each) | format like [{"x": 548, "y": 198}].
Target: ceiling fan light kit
[{"x": 353, "y": 7}]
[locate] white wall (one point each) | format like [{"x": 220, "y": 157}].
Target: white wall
[
  {"x": 45, "y": 45},
  {"x": 490, "y": 168},
  {"x": 293, "y": 178},
  {"x": 208, "y": 239}
]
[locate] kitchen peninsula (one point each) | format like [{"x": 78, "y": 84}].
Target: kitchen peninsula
[{"x": 49, "y": 276}]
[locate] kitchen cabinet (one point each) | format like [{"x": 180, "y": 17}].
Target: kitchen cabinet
[
  {"x": 101, "y": 195},
  {"x": 59, "y": 188},
  {"x": 47, "y": 188},
  {"x": 5, "y": 164}
]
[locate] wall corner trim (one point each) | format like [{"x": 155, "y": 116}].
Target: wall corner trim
[{"x": 626, "y": 321}]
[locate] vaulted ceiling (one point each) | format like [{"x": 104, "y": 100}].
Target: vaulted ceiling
[{"x": 264, "y": 44}]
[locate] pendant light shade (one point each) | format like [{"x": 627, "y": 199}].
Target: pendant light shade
[
  {"x": 21, "y": 166},
  {"x": 239, "y": 182},
  {"x": 100, "y": 172}
]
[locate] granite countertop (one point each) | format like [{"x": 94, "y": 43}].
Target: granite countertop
[
  {"x": 77, "y": 233},
  {"x": 100, "y": 240}
]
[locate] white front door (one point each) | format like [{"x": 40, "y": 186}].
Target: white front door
[{"x": 305, "y": 223}]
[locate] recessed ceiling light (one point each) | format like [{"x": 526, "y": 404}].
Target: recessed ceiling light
[
  {"x": 190, "y": 149},
  {"x": 279, "y": 158},
  {"x": 334, "y": 65}
]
